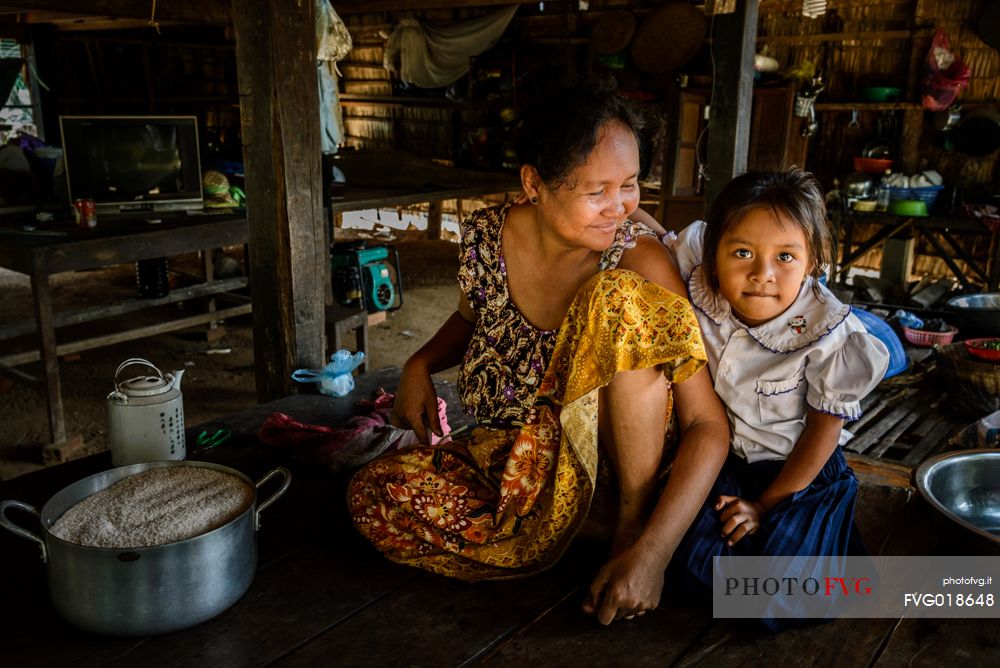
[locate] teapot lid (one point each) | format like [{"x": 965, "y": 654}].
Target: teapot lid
[{"x": 146, "y": 386}]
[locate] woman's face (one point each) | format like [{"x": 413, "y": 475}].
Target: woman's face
[{"x": 598, "y": 195}]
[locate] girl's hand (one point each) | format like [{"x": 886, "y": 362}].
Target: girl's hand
[
  {"x": 625, "y": 587},
  {"x": 739, "y": 517}
]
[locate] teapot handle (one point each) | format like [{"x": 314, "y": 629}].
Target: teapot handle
[{"x": 136, "y": 360}]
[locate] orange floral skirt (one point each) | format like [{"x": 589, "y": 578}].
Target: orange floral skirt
[{"x": 506, "y": 503}]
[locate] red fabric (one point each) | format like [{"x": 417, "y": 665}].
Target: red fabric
[
  {"x": 358, "y": 441},
  {"x": 939, "y": 87}
]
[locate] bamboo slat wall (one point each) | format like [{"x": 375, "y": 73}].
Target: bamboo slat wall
[
  {"x": 891, "y": 60},
  {"x": 880, "y": 42}
]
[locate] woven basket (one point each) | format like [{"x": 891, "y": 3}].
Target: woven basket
[
  {"x": 928, "y": 338},
  {"x": 974, "y": 385},
  {"x": 956, "y": 362}
]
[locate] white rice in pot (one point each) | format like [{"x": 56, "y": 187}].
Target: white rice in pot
[{"x": 155, "y": 507}]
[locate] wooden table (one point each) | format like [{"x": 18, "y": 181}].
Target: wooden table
[
  {"x": 323, "y": 596},
  {"x": 114, "y": 241},
  {"x": 377, "y": 179},
  {"x": 930, "y": 228}
]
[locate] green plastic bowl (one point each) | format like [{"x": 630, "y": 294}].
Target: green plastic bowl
[
  {"x": 882, "y": 94},
  {"x": 908, "y": 207}
]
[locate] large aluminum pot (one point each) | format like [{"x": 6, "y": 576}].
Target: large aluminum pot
[
  {"x": 964, "y": 486},
  {"x": 147, "y": 590}
]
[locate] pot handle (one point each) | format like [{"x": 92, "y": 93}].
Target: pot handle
[
  {"x": 136, "y": 361},
  {"x": 287, "y": 479},
  {"x": 21, "y": 531}
]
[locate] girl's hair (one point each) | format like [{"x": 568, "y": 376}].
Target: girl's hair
[
  {"x": 561, "y": 126},
  {"x": 793, "y": 194}
]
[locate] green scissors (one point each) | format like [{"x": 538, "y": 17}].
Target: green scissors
[{"x": 207, "y": 442}]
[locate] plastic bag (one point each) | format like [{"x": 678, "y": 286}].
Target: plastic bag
[
  {"x": 944, "y": 75},
  {"x": 335, "y": 379},
  {"x": 333, "y": 39}
]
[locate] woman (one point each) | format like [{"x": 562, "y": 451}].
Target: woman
[{"x": 575, "y": 346}]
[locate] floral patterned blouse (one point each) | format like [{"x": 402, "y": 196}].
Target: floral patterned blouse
[{"x": 507, "y": 356}]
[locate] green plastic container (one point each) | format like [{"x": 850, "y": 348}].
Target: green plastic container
[
  {"x": 882, "y": 94},
  {"x": 908, "y": 207}
]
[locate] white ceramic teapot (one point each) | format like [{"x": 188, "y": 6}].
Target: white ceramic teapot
[{"x": 146, "y": 417}]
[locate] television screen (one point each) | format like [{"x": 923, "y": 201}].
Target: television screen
[{"x": 133, "y": 163}]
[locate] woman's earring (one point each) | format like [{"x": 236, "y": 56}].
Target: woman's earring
[{"x": 533, "y": 200}]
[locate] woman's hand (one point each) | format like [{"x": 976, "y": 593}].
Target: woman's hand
[
  {"x": 739, "y": 517},
  {"x": 416, "y": 402},
  {"x": 626, "y": 587}
]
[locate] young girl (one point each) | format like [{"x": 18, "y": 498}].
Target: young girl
[{"x": 790, "y": 363}]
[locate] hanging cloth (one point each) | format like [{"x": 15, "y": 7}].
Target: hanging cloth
[
  {"x": 435, "y": 56},
  {"x": 333, "y": 43}
]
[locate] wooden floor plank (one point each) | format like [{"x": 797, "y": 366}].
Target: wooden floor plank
[
  {"x": 933, "y": 441},
  {"x": 933, "y": 643},
  {"x": 909, "y": 403},
  {"x": 439, "y": 621},
  {"x": 287, "y": 605},
  {"x": 567, "y": 637},
  {"x": 842, "y": 642},
  {"x": 918, "y": 411},
  {"x": 887, "y": 399}
]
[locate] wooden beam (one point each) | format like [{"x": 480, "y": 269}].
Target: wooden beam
[
  {"x": 279, "y": 114},
  {"x": 182, "y": 11},
  {"x": 375, "y": 6},
  {"x": 732, "y": 97},
  {"x": 866, "y": 36}
]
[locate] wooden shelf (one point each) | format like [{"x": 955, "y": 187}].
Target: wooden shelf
[
  {"x": 391, "y": 100},
  {"x": 843, "y": 36},
  {"x": 868, "y": 106}
]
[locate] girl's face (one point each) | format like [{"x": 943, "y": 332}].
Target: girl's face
[
  {"x": 598, "y": 195},
  {"x": 761, "y": 262}
]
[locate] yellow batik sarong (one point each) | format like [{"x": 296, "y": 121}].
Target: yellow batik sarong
[{"x": 506, "y": 503}]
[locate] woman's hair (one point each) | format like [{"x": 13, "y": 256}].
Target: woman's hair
[
  {"x": 561, "y": 126},
  {"x": 793, "y": 194}
]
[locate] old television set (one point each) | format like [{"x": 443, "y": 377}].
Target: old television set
[{"x": 133, "y": 164}]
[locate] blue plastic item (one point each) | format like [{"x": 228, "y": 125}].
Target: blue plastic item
[
  {"x": 907, "y": 319},
  {"x": 880, "y": 329},
  {"x": 335, "y": 378}
]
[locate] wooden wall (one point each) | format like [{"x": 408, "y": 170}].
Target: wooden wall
[
  {"x": 184, "y": 71},
  {"x": 877, "y": 42},
  {"x": 885, "y": 42}
]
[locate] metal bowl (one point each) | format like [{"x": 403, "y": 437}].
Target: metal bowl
[
  {"x": 977, "y": 313},
  {"x": 964, "y": 486}
]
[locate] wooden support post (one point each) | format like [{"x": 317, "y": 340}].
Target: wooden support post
[
  {"x": 215, "y": 330},
  {"x": 45, "y": 320},
  {"x": 897, "y": 261},
  {"x": 434, "y": 220},
  {"x": 279, "y": 114},
  {"x": 909, "y": 150},
  {"x": 733, "y": 45}
]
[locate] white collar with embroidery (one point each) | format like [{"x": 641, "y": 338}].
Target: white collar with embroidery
[{"x": 806, "y": 321}]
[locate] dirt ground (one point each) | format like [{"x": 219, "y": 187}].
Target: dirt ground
[{"x": 219, "y": 376}]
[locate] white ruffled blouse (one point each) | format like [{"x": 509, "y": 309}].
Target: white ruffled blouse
[{"x": 814, "y": 355}]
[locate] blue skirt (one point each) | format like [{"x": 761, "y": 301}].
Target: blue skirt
[{"x": 818, "y": 520}]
